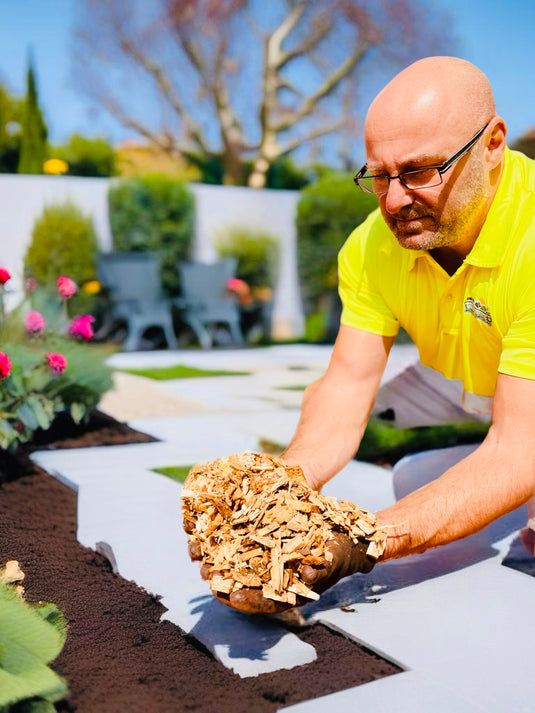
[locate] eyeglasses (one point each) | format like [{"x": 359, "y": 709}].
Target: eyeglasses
[{"x": 413, "y": 180}]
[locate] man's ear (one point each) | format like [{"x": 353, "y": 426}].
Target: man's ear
[{"x": 495, "y": 142}]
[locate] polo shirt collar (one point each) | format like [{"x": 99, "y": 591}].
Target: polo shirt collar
[{"x": 489, "y": 248}]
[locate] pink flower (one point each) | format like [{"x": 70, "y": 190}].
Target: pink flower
[
  {"x": 5, "y": 365},
  {"x": 66, "y": 287},
  {"x": 240, "y": 287},
  {"x": 5, "y": 275},
  {"x": 56, "y": 362},
  {"x": 35, "y": 322},
  {"x": 81, "y": 326}
]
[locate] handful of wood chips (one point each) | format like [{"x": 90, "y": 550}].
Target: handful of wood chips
[{"x": 258, "y": 522}]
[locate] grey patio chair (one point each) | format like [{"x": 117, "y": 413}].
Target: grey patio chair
[
  {"x": 133, "y": 281},
  {"x": 206, "y": 302}
]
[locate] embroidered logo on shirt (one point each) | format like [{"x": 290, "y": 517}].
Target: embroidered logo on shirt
[{"x": 479, "y": 309}]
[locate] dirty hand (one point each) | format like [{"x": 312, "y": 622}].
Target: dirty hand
[{"x": 347, "y": 558}]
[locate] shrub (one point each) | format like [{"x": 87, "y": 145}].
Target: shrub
[
  {"x": 327, "y": 212},
  {"x": 154, "y": 213},
  {"x": 87, "y": 157},
  {"x": 256, "y": 254},
  {"x": 63, "y": 242}
]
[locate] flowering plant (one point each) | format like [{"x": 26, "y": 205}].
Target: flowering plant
[{"x": 46, "y": 365}]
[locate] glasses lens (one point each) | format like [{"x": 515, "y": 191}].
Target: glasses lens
[
  {"x": 423, "y": 178},
  {"x": 373, "y": 184}
]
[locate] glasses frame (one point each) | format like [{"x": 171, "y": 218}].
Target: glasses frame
[{"x": 440, "y": 168}]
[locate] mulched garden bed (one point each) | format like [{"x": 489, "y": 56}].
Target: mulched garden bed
[{"x": 118, "y": 655}]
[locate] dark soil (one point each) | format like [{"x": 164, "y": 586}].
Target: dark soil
[{"x": 119, "y": 657}]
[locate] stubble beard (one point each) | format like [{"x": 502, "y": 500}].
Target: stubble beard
[{"x": 418, "y": 227}]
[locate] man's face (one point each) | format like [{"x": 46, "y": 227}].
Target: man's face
[{"x": 434, "y": 217}]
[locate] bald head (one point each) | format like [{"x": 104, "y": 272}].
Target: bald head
[{"x": 448, "y": 93}]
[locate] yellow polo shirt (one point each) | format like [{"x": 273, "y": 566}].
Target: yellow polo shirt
[{"x": 468, "y": 326}]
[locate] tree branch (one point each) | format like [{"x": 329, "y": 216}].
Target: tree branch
[
  {"x": 311, "y": 135},
  {"x": 163, "y": 141},
  {"x": 166, "y": 88},
  {"x": 328, "y": 86}
]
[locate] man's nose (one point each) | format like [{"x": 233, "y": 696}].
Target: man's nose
[{"x": 398, "y": 196}]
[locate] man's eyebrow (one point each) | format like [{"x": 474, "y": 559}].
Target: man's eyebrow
[{"x": 414, "y": 162}]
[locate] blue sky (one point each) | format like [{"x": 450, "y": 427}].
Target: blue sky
[{"x": 496, "y": 35}]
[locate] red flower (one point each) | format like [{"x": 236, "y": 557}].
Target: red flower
[
  {"x": 5, "y": 365},
  {"x": 56, "y": 362},
  {"x": 66, "y": 287},
  {"x": 5, "y": 275},
  {"x": 81, "y": 326},
  {"x": 35, "y": 322}
]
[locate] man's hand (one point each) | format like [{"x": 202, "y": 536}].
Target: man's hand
[{"x": 344, "y": 558}]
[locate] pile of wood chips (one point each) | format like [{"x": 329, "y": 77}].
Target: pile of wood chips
[{"x": 258, "y": 523}]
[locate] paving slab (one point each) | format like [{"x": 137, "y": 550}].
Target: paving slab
[{"x": 402, "y": 693}]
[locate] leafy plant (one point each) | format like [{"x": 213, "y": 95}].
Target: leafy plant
[
  {"x": 63, "y": 243},
  {"x": 154, "y": 213},
  {"x": 47, "y": 367},
  {"x": 32, "y": 637},
  {"x": 255, "y": 251},
  {"x": 87, "y": 157},
  {"x": 327, "y": 213}
]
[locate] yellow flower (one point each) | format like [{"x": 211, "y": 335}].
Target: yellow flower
[
  {"x": 55, "y": 166},
  {"x": 91, "y": 287}
]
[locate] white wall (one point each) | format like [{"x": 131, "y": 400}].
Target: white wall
[{"x": 22, "y": 199}]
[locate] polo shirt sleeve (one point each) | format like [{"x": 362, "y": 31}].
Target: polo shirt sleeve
[
  {"x": 518, "y": 345},
  {"x": 363, "y": 306}
]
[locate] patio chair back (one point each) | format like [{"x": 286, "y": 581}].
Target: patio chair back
[
  {"x": 206, "y": 301},
  {"x": 133, "y": 281}
]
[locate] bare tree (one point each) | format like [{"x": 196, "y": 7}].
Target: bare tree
[{"x": 243, "y": 80}]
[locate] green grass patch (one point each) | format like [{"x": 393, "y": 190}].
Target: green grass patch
[
  {"x": 296, "y": 387},
  {"x": 179, "y": 371},
  {"x": 175, "y": 472}
]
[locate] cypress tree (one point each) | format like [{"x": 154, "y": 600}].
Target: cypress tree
[{"x": 34, "y": 131}]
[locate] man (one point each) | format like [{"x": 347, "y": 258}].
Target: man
[{"x": 450, "y": 256}]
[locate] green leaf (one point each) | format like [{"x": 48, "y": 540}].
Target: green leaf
[
  {"x": 39, "y": 378},
  {"x": 16, "y": 380},
  {"x": 78, "y": 411},
  {"x": 42, "y": 413},
  {"x": 30, "y": 639},
  {"x": 7, "y": 434},
  {"x": 27, "y": 415}
]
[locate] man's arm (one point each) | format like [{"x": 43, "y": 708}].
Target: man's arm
[
  {"x": 336, "y": 407},
  {"x": 496, "y": 478}
]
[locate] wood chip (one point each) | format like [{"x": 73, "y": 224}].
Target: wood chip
[{"x": 258, "y": 523}]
